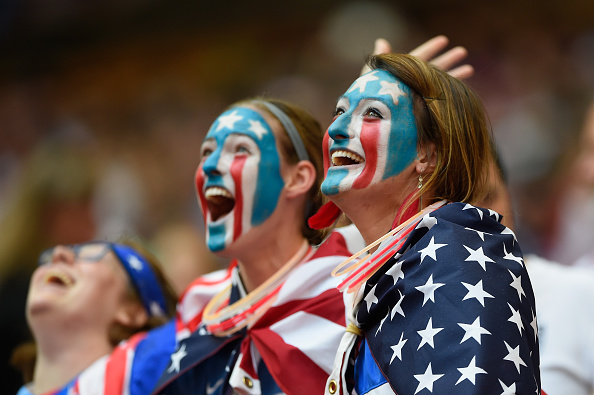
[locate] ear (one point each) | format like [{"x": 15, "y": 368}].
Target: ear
[
  {"x": 426, "y": 159},
  {"x": 131, "y": 314},
  {"x": 300, "y": 178}
]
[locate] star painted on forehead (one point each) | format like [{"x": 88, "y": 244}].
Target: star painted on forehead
[
  {"x": 228, "y": 121},
  {"x": 392, "y": 89},
  {"x": 257, "y": 128},
  {"x": 361, "y": 83}
]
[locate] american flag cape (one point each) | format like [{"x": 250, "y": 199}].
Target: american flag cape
[
  {"x": 289, "y": 349},
  {"x": 131, "y": 369},
  {"x": 451, "y": 313}
]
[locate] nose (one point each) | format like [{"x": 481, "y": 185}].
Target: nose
[
  {"x": 210, "y": 165},
  {"x": 338, "y": 130},
  {"x": 63, "y": 254}
]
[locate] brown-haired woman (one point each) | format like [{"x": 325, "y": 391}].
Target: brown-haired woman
[
  {"x": 84, "y": 301},
  {"x": 257, "y": 183},
  {"x": 444, "y": 303}
]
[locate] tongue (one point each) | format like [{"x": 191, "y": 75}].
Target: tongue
[{"x": 218, "y": 206}]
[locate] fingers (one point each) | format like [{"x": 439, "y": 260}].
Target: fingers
[
  {"x": 429, "y": 49},
  {"x": 450, "y": 58},
  {"x": 462, "y": 72},
  {"x": 381, "y": 46}
]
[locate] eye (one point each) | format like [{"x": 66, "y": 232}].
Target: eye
[
  {"x": 338, "y": 112},
  {"x": 373, "y": 112},
  {"x": 242, "y": 149},
  {"x": 205, "y": 152}
]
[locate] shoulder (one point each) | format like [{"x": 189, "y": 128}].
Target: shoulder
[{"x": 199, "y": 293}]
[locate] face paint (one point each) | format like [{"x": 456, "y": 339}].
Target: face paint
[
  {"x": 373, "y": 136},
  {"x": 238, "y": 180}
]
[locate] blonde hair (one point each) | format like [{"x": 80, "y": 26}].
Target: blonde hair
[{"x": 450, "y": 115}]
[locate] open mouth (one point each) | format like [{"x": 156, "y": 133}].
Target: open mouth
[
  {"x": 58, "y": 278},
  {"x": 345, "y": 158},
  {"x": 220, "y": 202}
]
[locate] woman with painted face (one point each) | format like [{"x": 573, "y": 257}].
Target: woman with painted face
[
  {"x": 443, "y": 304},
  {"x": 257, "y": 183},
  {"x": 83, "y": 301}
]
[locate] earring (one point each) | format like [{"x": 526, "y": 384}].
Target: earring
[{"x": 420, "y": 184}]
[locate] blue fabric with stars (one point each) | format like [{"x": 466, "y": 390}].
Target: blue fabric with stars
[
  {"x": 205, "y": 365},
  {"x": 454, "y": 313}
]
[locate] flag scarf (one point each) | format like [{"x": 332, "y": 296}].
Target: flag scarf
[
  {"x": 290, "y": 349},
  {"x": 451, "y": 313},
  {"x": 131, "y": 369}
]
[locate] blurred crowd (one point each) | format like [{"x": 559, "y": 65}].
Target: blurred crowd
[{"x": 100, "y": 137}]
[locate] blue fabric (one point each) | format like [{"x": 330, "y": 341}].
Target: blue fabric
[
  {"x": 151, "y": 357},
  {"x": 143, "y": 278},
  {"x": 367, "y": 374}
]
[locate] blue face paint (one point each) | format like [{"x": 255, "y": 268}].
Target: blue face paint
[
  {"x": 373, "y": 136},
  {"x": 242, "y": 163}
]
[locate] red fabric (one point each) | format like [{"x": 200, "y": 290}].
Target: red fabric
[
  {"x": 325, "y": 216},
  {"x": 411, "y": 210}
]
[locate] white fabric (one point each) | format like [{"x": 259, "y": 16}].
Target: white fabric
[{"x": 565, "y": 311}]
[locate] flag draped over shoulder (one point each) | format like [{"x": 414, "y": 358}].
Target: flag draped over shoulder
[
  {"x": 133, "y": 367},
  {"x": 289, "y": 349},
  {"x": 452, "y": 313}
]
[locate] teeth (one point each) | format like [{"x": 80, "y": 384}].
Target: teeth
[
  {"x": 216, "y": 191},
  {"x": 346, "y": 154},
  {"x": 60, "y": 276}
]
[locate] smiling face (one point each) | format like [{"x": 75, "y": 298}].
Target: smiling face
[
  {"x": 83, "y": 294},
  {"x": 239, "y": 178},
  {"x": 373, "y": 135}
]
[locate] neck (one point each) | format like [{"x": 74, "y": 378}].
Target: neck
[
  {"x": 373, "y": 211},
  {"x": 264, "y": 251},
  {"x": 62, "y": 357},
  {"x": 256, "y": 267}
]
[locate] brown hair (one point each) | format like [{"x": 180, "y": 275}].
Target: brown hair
[
  {"x": 312, "y": 135},
  {"x": 450, "y": 115}
]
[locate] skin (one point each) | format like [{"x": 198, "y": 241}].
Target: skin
[{"x": 71, "y": 306}]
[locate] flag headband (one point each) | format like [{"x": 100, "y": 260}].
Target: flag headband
[
  {"x": 143, "y": 278},
  {"x": 289, "y": 126}
]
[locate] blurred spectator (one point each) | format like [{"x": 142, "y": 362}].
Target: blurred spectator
[
  {"x": 52, "y": 204},
  {"x": 576, "y": 207},
  {"x": 565, "y": 308}
]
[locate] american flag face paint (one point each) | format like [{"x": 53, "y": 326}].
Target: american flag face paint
[
  {"x": 238, "y": 181},
  {"x": 373, "y": 136}
]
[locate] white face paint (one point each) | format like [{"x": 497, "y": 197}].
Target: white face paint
[{"x": 238, "y": 180}]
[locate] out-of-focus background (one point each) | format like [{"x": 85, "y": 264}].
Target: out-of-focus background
[{"x": 103, "y": 106}]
